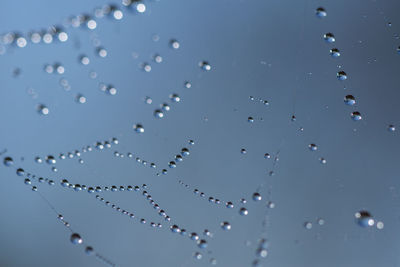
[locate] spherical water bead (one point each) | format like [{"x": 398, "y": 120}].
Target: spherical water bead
[
  {"x": 250, "y": 119},
  {"x": 148, "y": 100},
  {"x": 204, "y": 65},
  {"x": 80, "y": 99},
  {"x": 64, "y": 183},
  {"x": 185, "y": 151},
  {"x": 89, "y": 250},
  {"x": 20, "y": 172},
  {"x": 349, "y": 100},
  {"x": 146, "y": 67},
  {"x": 334, "y": 52},
  {"x": 243, "y": 211},
  {"x": 138, "y": 128},
  {"x": 175, "y": 229},
  {"x": 322, "y": 160},
  {"x": 398, "y": 50},
  {"x": 174, "y": 44},
  {"x": 321, "y": 221},
  {"x": 172, "y": 164},
  {"x": 48, "y": 68},
  {"x": 165, "y": 107},
  {"x": 197, "y": 255},
  {"x": 42, "y": 109},
  {"x": 34, "y": 188},
  {"x": 229, "y": 205},
  {"x": 267, "y": 156},
  {"x": 379, "y": 225},
  {"x": 157, "y": 58},
  {"x": 242, "y": 200},
  {"x": 50, "y": 159},
  {"x": 341, "y": 75},
  {"x": 175, "y": 98},
  {"x": 308, "y": 225},
  {"x": 364, "y": 218},
  {"x": 101, "y": 52},
  {"x": 320, "y": 12},
  {"x": 391, "y": 128},
  {"x": 8, "y": 161},
  {"x": 243, "y": 151},
  {"x": 329, "y": 37},
  {"x": 158, "y": 114},
  {"x": 194, "y": 236},
  {"x": 84, "y": 60},
  {"x": 262, "y": 252},
  {"x": 27, "y": 181},
  {"x": 59, "y": 68},
  {"x": 187, "y": 84},
  {"x": 257, "y": 196},
  {"x": 38, "y": 160},
  {"x": 202, "y": 243},
  {"x": 312, "y": 147},
  {"x": 76, "y": 239},
  {"x": 271, "y": 204},
  {"x": 356, "y": 116},
  {"x": 226, "y": 226}
]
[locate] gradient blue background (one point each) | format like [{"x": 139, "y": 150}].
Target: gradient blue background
[{"x": 272, "y": 50}]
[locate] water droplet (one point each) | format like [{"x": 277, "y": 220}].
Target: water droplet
[
  {"x": 172, "y": 164},
  {"x": 204, "y": 65},
  {"x": 250, "y": 119},
  {"x": 313, "y": 147},
  {"x": 257, "y": 196},
  {"x": 243, "y": 211},
  {"x": 341, "y": 75},
  {"x": 50, "y": 159},
  {"x": 329, "y": 37},
  {"x": 320, "y": 12},
  {"x": 175, "y": 98},
  {"x": 202, "y": 243},
  {"x": 356, "y": 116},
  {"x": 379, "y": 225},
  {"x": 322, "y": 160},
  {"x": 185, "y": 151},
  {"x": 80, "y": 99},
  {"x": 243, "y": 151},
  {"x": 174, "y": 44},
  {"x": 391, "y": 128},
  {"x": 42, "y": 109},
  {"x": 76, "y": 239},
  {"x": 349, "y": 100},
  {"x": 198, "y": 256},
  {"x": 89, "y": 250},
  {"x": 194, "y": 236},
  {"x": 226, "y": 226},
  {"x": 308, "y": 225},
  {"x": 8, "y": 161},
  {"x": 229, "y": 205},
  {"x": 364, "y": 218},
  {"x": 20, "y": 172},
  {"x": 158, "y": 113},
  {"x": 334, "y": 52},
  {"x": 138, "y": 128}
]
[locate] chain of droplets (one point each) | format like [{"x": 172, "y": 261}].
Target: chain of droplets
[
  {"x": 100, "y": 145},
  {"x": 75, "y": 238},
  {"x": 341, "y": 75},
  {"x": 125, "y": 212},
  {"x": 178, "y": 158},
  {"x": 164, "y": 107},
  {"x": 59, "y": 33},
  {"x": 136, "y": 158}
]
